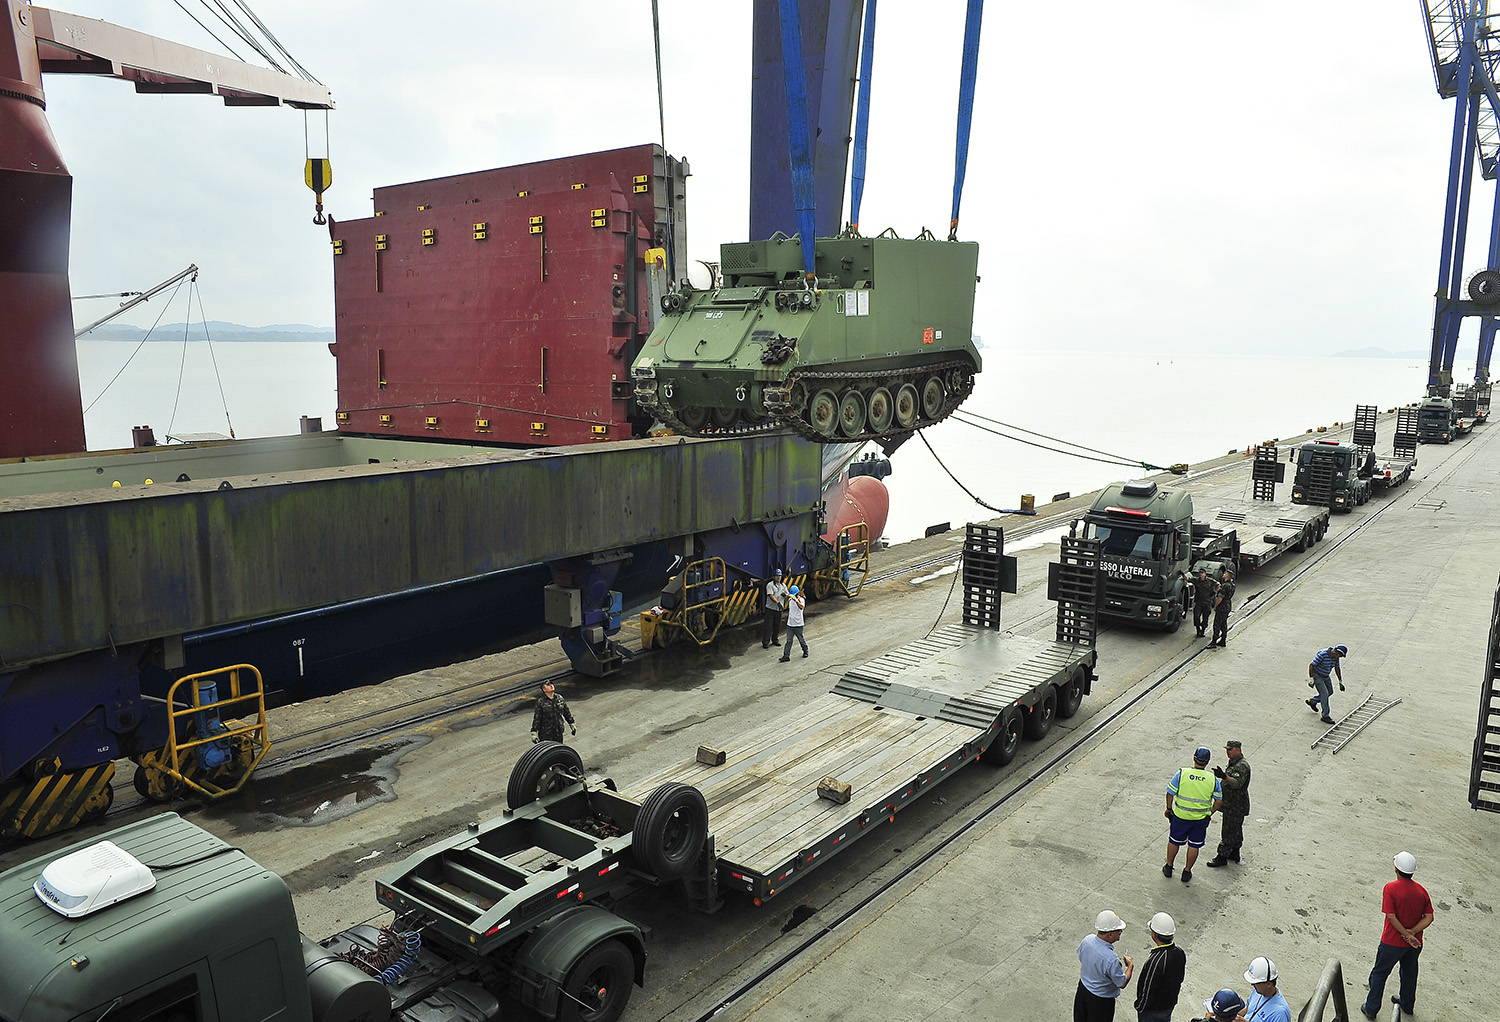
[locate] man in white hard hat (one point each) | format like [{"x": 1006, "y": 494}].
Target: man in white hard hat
[
  {"x": 1266, "y": 1004},
  {"x": 1102, "y": 973},
  {"x": 1161, "y": 977},
  {"x": 1408, "y": 911}
]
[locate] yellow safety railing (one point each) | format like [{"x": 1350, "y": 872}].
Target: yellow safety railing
[
  {"x": 851, "y": 563},
  {"x": 705, "y": 595},
  {"x": 249, "y": 742}
]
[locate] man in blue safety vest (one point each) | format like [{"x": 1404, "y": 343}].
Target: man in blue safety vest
[{"x": 1193, "y": 796}]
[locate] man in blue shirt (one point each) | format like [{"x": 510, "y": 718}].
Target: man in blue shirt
[
  {"x": 1326, "y": 662},
  {"x": 1266, "y": 1004},
  {"x": 1102, "y": 973}
]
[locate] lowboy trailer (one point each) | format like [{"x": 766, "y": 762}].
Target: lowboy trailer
[{"x": 518, "y": 908}]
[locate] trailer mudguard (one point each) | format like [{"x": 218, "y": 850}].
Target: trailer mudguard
[{"x": 551, "y": 950}]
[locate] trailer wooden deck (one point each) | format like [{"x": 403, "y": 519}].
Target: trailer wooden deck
[{"x": 889, "y": 729}]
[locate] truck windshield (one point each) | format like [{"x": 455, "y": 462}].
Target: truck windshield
[
  {"x": 1123, "y": 541},
  {"x": 1340, "y": 459}
]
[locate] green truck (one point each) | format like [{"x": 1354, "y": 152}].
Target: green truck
[
  {"x": 1151, "y": 540},
  {"x": 1332, "y": 474}
]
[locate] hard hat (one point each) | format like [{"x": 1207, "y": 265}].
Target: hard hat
[
  {"x": 1108, "y": 922},
  {"x": 1341, "y": 649},
  {"x": 778, "y": 572},
  {"x": 1406, "y": 862},
  {"x": 793, "y": 590},
  {"x": 1225, "y": 1002},
  {"x": 1262, "y": 970},
  {"x": 1163, "y": 924},
  {"x": 1202, "y": 755}
]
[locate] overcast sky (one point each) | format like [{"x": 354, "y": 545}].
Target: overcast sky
[{"x": 1212, "y": 175}]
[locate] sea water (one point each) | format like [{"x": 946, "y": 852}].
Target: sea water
[{"x": 1156, "y": 409}]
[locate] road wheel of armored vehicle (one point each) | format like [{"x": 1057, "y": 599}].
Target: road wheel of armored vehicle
[
  {"x": 908, "y": 406},
  {"x": 933, "y": 396},
  {"x": 724, "y": 418},
  {"x": 1039, "y": 719},
  {"x": 598, "y": 986},
  {"x": 881, "y": 409},
  {"x": 1004, "y": 746},
  {"x": 670, "y": 830},
  {"x": 694, "y": 417},
  {"x": 823, "y": 412},
  {"x": 542, "y": 769},
  {"x": 852, "y": 413}
]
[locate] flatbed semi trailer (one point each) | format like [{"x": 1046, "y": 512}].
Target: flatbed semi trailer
[
  {"x": 519, "y": 908},
  {"x": 1266, "y": 531}
]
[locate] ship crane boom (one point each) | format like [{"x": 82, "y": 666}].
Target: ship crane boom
[{"x": 69, "y": 44}]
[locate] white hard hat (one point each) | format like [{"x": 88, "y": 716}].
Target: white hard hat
[
  {"x": 1107, "y": 922},
  {"x": 1262, "y": 970},
  {"x": 1406, "y": 862},
  {"x": 1163, "y": 924}
]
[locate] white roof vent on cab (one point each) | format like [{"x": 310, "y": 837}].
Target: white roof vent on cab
[{"x": 92, "y": 878}]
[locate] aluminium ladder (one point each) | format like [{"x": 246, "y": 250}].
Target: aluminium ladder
[{"x": 1342, "y": 733}]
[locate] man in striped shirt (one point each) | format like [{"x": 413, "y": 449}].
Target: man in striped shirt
[
  {"x": 1324, "y": 664},
  {"x": 1161, "y": 977}
]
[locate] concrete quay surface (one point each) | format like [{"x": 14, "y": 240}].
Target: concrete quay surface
[
  {"x": 988, "y": 925},
  {"x": 991, "y": 928}
]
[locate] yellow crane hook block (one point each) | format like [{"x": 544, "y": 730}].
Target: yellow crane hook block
[{"x": 319, "y": 177}]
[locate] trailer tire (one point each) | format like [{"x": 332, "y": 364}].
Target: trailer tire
[
  {"x": 670, "y": 830},
  {"x": 1070, "y": 696},
  {"x": 1040, "y": 717},
  {"x": 543, "y": 762},
  {"x": 602, "y": 977},
  {"x": 1007, "y": 743}
]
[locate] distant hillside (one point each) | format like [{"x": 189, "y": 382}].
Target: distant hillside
[
  {"x": 217, "y": 330},
  {"x": 1379, "y": 353}
]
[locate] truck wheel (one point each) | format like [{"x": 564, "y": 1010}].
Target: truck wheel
[
  {"x": 1005, "y": 745},
  {"x": 1039, "y": 720},
  {"x": 541, "y": 770},
  {"x": 598, "y": 986},
  {"x": 1070, "y": 697},
  {"x": 670, "y": 830}
]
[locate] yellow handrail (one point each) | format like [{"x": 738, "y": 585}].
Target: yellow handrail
[{"x": 251, "y": 741}]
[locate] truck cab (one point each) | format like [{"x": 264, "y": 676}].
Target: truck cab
[
  {"x": 1145, "y": 545},
  {"x": 1331, "y": 474},
  {"x": 1436, "y": 421}
]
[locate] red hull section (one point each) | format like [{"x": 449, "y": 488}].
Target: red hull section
[
  {"x": 40, "y": 410},
  {"x": 865, "y": 499},
  {"x": 504, "y": 305}
]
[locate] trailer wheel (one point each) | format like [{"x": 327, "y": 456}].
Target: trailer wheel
[
  {"x": 542, "y": 769},
  {"x": 1007, "y": 743},
  {"x": 1039, "y": 720},
  {"x": 598, "y": 986},
  {"x": 1070, "y": 696},
  {"x": 670, "y": 830}
]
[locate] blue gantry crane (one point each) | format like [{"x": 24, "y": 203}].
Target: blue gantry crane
[{"x": 1465, "y": 49}]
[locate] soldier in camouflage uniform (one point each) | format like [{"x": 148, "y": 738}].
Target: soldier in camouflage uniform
[
  {"x": 1223, "y": 603},
  {"x": 1204, "y": 589},
  {"x": 1236, "y": 805},
  {"x": 551, "y": 711}
]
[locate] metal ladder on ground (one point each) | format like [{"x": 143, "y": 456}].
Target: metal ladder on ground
[
  {"x": 1342, "y": 733},
  {"x": 1484, "y": 772}
]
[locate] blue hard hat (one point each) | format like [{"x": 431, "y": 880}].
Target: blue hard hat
[
  {"x": 1225, "y": 1002},
  {"x": 793, "y": 590},
  {"x": 1202, "y": 755},
  {"x": 1341, "y": 649},
  {"x": 778, "y": 572}
]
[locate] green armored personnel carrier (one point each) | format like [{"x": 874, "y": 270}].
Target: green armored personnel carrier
[{"x": 880, "y": 344}]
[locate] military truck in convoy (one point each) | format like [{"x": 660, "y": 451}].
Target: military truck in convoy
[
  {"x": 1438, "y": 422},
  {"x": 1331, "y": 474},
  {"x": 1150, "y": 541},
  {"x": 164, "y": 922}
]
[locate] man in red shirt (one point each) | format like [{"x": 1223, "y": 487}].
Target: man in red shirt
[{"x": 1408, "y": 911}]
